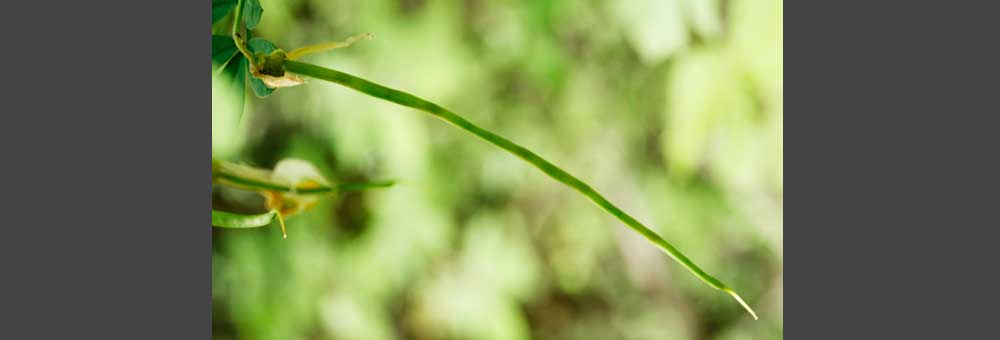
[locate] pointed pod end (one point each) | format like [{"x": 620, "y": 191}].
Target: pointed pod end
[
  {"x": 284, "y": 234},
  {"x": 742, "y": 303}
]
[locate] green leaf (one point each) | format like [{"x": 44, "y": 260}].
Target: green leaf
[
  {"x": 251, "y": 13},
  {"x": 220, "y": 8},
  {"x": 223, "y": 49},
  {"x": 261, "y": 45},
  {"x": 259, "y": 88},
  {"x": 233, "y": 220}
]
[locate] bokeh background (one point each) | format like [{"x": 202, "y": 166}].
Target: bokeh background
[{"x": 671, "y": 108}]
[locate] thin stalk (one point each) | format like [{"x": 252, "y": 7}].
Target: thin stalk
[
  {"x": 238, "y": 39},
  {"x": 302, "y": 51},
  {"x": 409, "y": 100}
]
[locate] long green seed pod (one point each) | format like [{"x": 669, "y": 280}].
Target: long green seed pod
[
  {"x": 227, "y": 219},
  {"x": 409, "y": 100},
  {"x": 254, "y": 179}
]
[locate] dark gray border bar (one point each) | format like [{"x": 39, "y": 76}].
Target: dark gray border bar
[
  {"x": 892, "y": 175},
  {"x": 105, "y": 146}
]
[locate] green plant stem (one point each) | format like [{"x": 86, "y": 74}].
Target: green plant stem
[
  {"x": 240, "y": 42},
  {"x": 408, "y": 100}
]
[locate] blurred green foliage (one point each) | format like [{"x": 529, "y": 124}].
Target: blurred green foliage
[{"x": 671, "y": 108}]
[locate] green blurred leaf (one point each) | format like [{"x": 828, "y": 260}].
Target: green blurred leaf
[
  {"x": 656, "y": 28},
  {"x": 223, "y": 49},
  {"x": 233, "y": 220},
  {"x": 220, "y": 8},
  {"x": 236, "y": 73},
  {"x": 703, "y": 17},
  {"x": 251, "y": 13},
  {"x": 228, "y": 92},
  {"x": 699, "y": 95}
]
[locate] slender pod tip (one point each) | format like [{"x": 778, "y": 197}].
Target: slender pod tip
[
  {"x": 740, "y": 300},
  {"x": 281, "y": 221}
]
